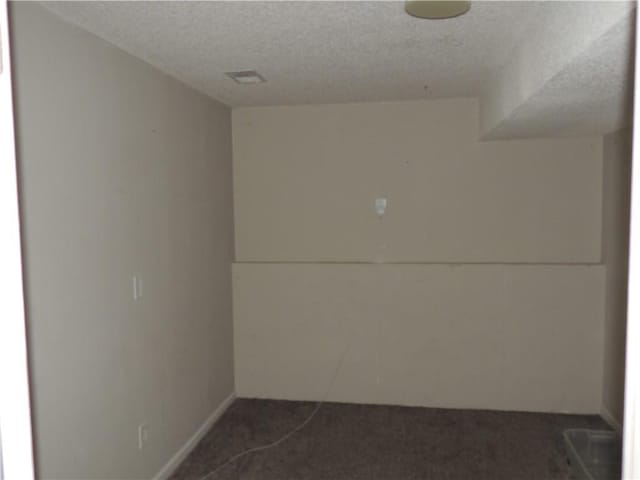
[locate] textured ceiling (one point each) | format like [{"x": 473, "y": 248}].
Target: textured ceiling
[
  {"x": 539, "y": 68},
  {"x": 590, "y": 94},
  {"x": 310, "y": 52}
]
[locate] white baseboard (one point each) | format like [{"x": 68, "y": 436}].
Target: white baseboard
[
  {"x": 175, "y": 461},
  {"x": 610, "y": 419}
]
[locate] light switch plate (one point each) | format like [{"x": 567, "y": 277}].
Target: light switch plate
[{"x": 137, "y": 287}]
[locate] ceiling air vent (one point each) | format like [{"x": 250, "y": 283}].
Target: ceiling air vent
[{"x": 246, "y": 77}]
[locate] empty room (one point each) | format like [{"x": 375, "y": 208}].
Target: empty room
[{"x": 378, "y": 240}]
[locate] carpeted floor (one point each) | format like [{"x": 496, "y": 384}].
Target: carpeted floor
[{"x": 366, "y": 442}]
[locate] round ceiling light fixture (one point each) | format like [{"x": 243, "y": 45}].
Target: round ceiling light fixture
[{"x": 436, "y": 10}]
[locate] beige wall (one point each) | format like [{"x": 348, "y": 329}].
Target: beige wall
[
  {"x": 123, "y": 171},
  {"x": 466, "y": 336},
  {"x": 501, "y": 307},
  {"x": 615, "y": 255},
  {"x": 306, "y": 179}
]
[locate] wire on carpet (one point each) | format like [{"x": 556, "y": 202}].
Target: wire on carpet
[{"x": 289, "y": 434}]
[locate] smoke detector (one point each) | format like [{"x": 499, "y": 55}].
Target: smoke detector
[
  {"x": 246, "y": 77},
  {"x": 436, "y": 10}
]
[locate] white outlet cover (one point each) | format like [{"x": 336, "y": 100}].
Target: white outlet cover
[{"x": 381, "y": 205}]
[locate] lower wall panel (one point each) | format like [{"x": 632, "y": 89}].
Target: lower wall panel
[{"x": 509, "y": 337}]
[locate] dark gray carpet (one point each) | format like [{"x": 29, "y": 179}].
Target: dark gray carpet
[{"x": 366, "y": 442}]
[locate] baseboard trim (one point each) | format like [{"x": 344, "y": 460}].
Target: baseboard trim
[
  {"x": 610, "y": 419},
  {"x": 173, "y": 463}
]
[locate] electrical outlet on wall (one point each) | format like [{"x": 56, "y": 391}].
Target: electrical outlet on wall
[
  {"x": 143, "y": 435},
  {"x": 380, "y": 206}
]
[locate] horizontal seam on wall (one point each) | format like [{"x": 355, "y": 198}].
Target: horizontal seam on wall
[{"x": 289, "y": 262}]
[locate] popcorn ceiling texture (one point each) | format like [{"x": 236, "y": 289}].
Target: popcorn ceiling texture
[
  {"x": 310, "y": 52},
  {"x": 571, "y": 74},
  {"x": 334, "y": 52}
]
